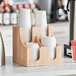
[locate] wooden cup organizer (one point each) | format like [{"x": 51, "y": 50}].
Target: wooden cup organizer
[{"x": 23, "y": 55}]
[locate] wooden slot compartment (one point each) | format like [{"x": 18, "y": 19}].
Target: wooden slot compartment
[{"x": 23, "y": 55}]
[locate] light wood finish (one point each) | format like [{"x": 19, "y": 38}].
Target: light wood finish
[
  {"x": 14, "y": 44},
  {"x": 23, "y": 55},
  {"x": 36, "y": 32},
  {"x": 50, "y": 30}
]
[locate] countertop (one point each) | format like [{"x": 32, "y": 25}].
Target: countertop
[{"x": 68, "y": 67}]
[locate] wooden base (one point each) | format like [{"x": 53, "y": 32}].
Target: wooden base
[{"x": 23, "y": 55}]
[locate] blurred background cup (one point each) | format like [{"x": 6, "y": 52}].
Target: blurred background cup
[
  {"x": 51, "y": 43},
  {"x": 41, "y": 21},
  {"x": 25, "y": 21},
  {"x": 35, "y": 49},
  {"x": 0, "y": 18}
]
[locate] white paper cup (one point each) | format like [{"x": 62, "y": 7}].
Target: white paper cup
[
  {"x": 35, "y": 49},
  {"x": 41, "y": 21},
  {"x": 0, "y": 18},
  {"x": 51, "y": 43},
  {"x": 25, "y": 21}
]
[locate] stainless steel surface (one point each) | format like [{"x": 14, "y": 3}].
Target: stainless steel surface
[
  {"x": 75, "y": 20},
  {"x": 72, "y": 19}
]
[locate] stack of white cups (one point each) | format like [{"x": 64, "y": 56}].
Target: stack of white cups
[
  {"x": 0, "y": 18},
  {"x": 35, "y": 49},
  {"x": 41, "y": 21},
  {"x": 51, "y": 43},
  {"x": 25, "y": 21}
]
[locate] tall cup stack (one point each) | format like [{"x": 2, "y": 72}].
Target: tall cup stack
[
  {"x": 25, "y": 21},
  {"x": 41, "y": 21}
]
